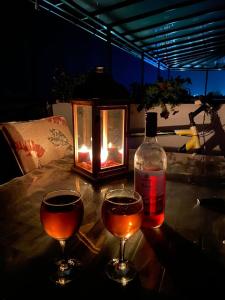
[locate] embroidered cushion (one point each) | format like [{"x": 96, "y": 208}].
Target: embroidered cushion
[{"x": 38, "y": 142}]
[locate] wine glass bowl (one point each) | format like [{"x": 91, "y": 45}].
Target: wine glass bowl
[
  {"x": 122, "y": 212},
  {"x": 61, "y": 214}
]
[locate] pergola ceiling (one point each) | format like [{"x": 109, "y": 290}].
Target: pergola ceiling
[{"x": 174, "y": 34}]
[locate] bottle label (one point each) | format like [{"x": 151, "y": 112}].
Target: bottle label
[{"x": 151, "y": 185}]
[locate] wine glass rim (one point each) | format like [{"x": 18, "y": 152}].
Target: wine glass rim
[
  {"x": 139, "y": 198},
  {"x": 58, "y": 192}
]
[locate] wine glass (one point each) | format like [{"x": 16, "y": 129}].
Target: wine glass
[
  {"x": 122, "y": 212},
  {"x": 61, "y": 214}
]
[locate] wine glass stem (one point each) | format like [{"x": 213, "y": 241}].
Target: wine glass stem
[
  {"x": 62, "y": 244},
  {"x": 63, "y": 266},
  {"x": 122, "y": 264}
]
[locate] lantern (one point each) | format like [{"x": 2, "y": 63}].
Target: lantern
[{"x": 100, "y": 138}]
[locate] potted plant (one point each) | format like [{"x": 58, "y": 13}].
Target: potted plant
[
  {"x": 96, "y": 83},
  {"x": 63, "y": 85},
  {"x": 167, "y": 93}
]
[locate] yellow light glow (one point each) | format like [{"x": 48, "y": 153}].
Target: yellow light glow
[
  {"x": 104, "y": 155},
  {"x": 83, "y": 149}
]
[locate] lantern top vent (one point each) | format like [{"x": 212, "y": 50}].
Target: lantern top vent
[{"x": 99, "y": 83}]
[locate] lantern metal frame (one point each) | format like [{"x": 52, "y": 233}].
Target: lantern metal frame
[{"x": 97, "y": 106}]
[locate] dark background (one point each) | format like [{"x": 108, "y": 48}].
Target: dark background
[{"x": 35, "y": 43}]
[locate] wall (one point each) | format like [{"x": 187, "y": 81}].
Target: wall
[
  {"x": 64, "y": 109},
  {"x": 187, "y": 167},
  {"x": 211, "y": 129},
  {"x": 211, "y": 134}
]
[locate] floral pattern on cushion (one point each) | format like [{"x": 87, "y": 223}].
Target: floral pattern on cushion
[
  {"x": 58, "y": 138},
  {"x": 30, "y": 147},
  {"x": 38, "y": 142},
  {"x": 58, "y": 120}
]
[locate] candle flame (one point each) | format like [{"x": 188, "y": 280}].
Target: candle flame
[
  {"x": 83, "y": 148},
  {"x": 104, "y": 152},
  {"x": 104, "y": 155},
  {"x": 121, "y": 151},
  {"x": 90, "y": 154}
]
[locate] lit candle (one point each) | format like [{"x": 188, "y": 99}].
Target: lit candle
[
  {"x": 104, "y": 155},
  {"x": 83, "y": 154}
]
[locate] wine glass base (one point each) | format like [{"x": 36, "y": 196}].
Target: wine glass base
[
  {"x": 65, "y": 271},
  {"x": 120, "y": 272}
]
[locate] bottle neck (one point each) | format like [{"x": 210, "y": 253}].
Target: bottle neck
[
  {"x": 151, "y": 125},
  {"x": 150, "y": 139}
]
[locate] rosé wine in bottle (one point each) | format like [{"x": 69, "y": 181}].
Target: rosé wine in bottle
[{"x": 150, "y": 163}]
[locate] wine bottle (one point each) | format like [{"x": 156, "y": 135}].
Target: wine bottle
[{"x": 150, "y": 163}]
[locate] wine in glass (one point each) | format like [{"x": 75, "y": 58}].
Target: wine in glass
[
  {"x": 122, "y": 212},
  {"x": 61, "y": 214}
]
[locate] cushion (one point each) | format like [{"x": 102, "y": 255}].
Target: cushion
[{"x": 38, "y": 142}]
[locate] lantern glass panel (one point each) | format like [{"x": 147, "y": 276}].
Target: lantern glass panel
[
  {"x": 83, "y": 137},
  {"x": 112, "y": 137}
]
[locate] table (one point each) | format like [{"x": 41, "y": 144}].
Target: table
[{"x": 184, "y": 259}]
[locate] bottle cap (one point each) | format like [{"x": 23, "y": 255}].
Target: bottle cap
[{"x": 151, "y": 124}]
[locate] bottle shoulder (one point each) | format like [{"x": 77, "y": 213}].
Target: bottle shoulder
[
  {"x": 150, "y": 156},
  {"x": 147, "y": 147}
]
